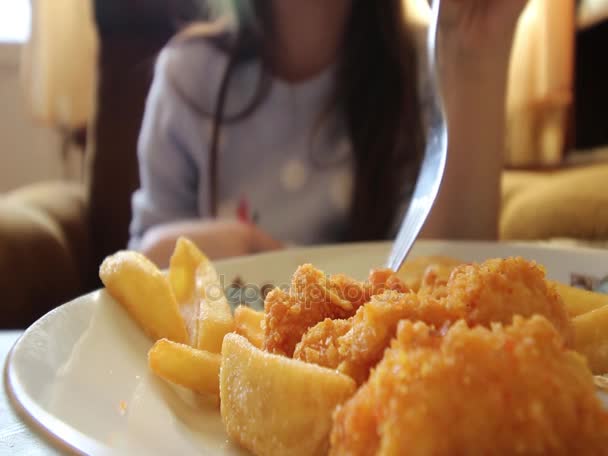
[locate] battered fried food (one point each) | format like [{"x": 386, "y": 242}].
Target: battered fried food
[
  {"x": 321, "y": 343},
  {"x": 312, "y": 298},
  {"x": 414, "y": 270},
  {"x": 435, "y": 280},
  {"x": 494, "y": 291},
  {"x": 498, "y": 289},
  {"x": 356, "y": 345},
  {"x": 504, "y": 390}
]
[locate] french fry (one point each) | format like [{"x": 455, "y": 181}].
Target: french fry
[
  {"x": 137, "y": 284},
  {"x": 579, "y": 301},
  {"x": 215, "y": 318},
  {"x": 183, "y": 365},
  {"x": 200, "y": 296},
  {"x": 248, "y": 323},
  {"x": 184, "y": 262},
  {"x": 274, "y": 405},
  {"x": 591, "y": 338}
]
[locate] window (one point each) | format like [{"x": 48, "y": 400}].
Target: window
[{"x": 15, "y": 17}]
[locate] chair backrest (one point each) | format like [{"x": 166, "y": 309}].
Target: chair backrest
[{"x": 131, "y": 33}]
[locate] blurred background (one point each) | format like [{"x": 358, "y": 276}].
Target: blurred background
[{"x": 74, "y": 75}]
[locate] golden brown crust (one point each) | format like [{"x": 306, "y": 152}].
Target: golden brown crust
[
  {"x": 312, "y": 298},
  {"x": 493, "y": 291},
  {"x": 319, "y": 345},
  {"x": 498, "y": 289},
  {"x": 414, "y": 270},
  {"x": 503, "y": 390},
  {"x": 357, "y": 346}
]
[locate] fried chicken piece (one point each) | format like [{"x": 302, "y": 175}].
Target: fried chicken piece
[
  {"x": 494, "y": 291},
  {"x": 356, "y": 345},
  {"x": 435, "y": 280},
  {"x": 504, "y": 390},
  {"x": 320, "y": 344},
  {"x": 312, "y": 298},
  {"x": 413, "y": 271},
  {"x": 498, "y": 289},
  {"x": 375, "y": 324}
]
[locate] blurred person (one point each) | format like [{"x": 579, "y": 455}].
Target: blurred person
[{"x": 303, "y": 122}]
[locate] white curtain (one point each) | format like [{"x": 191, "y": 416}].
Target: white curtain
[
  {"x": 541, "y": 80},
  {"x": 59, "y": 62}
]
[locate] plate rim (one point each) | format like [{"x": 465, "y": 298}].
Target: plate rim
[
  {"x": 534, "y": 245},
  {"x": 80, "y": 444},
  {"x": 37, "y": 419}
]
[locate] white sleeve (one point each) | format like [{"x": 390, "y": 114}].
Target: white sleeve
[{"x": 167, "y": 167}]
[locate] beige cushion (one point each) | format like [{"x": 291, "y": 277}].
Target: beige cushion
[
  {"x": 37, "y": 270},
  {"x": 567, "y": 204},
  {"x": 44, "y": 249},
  {"x": 63, "y": 202},
  {"x": 515, "y": 182}
]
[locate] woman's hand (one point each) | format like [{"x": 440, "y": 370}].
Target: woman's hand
[
  {"x": 216, "y": 238},
  {"x": 478, "y": 28},
  {"x": 474, "y": 43}
]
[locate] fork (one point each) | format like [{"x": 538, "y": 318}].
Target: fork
[{"x": 433, "y": 162}]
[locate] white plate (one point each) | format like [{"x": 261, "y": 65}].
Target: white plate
[{"x": 80, "y": 374}]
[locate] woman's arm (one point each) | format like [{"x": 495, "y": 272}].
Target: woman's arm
[
  {"x": 474, "y": 43},
  {"x": 217, "y": 238}
]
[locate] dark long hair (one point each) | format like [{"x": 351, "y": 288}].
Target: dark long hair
[{"x": 375, "y": 94}]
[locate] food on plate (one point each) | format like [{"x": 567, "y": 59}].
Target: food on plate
[
  {"x": 200, "y": 296},
  {"x": 201, "y": 316},
  {"x": 215, "y": 315},
  {"x": 183, "y": 265},
  {"x": 183, "y": 365},
  {"x": 248, "y": 323},
  {"x": 506, "y": 390},
  {"x": 313, "y": 297},
  {"x": 591, "y": 330},
  {"x": 356, "y": 345},
  {"x": 430, "y": 274},
  {"x": 321, "y": 343},
  {"x": 274, "y": 405},
  {"x": 443, "y": 357},
  {"x": 579, "y": 301},
  {"x": 137, "y": 284},
  {"x": 498, "y": 289},
  {"x": 413, "y": 271},
  {"x": 184, "y": 262},
  {"x": 493, "y": 291}
]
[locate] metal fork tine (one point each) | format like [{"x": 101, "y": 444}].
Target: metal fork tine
[{"x": 433, "y": 163}]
